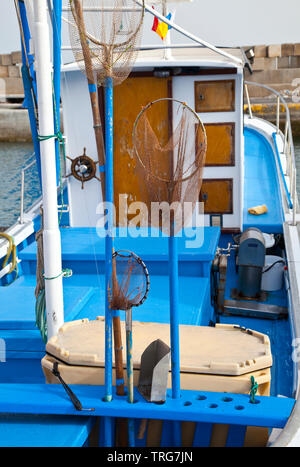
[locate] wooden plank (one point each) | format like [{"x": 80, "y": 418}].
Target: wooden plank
[
  {"x": 236, "y": 436},
  {"x": 129, "y": 99},
  {"x": 202, "y": 435}
]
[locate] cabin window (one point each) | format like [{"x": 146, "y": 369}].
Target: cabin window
[
  {"x": 220, "y": 144},
  {"x": 216, "y": 194},
  {"x": 215, "y": 96}
]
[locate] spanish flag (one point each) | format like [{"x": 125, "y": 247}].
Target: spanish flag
[{"x": 160, "y": 27}]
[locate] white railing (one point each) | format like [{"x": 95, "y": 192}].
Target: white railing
[
  {"x": 290, "y": 172},
  {"x": 23, "y": 189}
]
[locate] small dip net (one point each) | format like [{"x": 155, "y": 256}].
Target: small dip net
[
  {"x": 109, "y": 32},
  {"x": 170, "y": 166},
  {"x": 129, "y": 284}
]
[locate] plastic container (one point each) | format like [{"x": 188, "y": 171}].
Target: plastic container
[
  {"x": 221, "y": 358},
  {"x": 273, "y": 273}
]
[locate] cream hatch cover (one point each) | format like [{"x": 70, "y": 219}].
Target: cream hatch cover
[{"x": 224, "y": 349}]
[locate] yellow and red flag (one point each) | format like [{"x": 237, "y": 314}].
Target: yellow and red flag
[{"x": 160, "y": 27}]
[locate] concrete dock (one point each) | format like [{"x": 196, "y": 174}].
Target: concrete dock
[{"x": 276, "y": 65}]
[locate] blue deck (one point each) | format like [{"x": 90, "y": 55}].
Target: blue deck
[
  {"x": 261, "y": 184},
  {"x": 83, "y": 250}
]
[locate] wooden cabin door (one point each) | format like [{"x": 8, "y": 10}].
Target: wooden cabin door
[{"x": 129, "y": 99}]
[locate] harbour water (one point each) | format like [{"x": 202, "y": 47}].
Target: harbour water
[{"x": 15, "y": 156}]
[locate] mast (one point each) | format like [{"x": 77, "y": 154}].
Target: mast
[{"x": 51, "y": 233}]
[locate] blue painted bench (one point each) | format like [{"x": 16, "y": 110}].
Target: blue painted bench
[
  {"x": 82, "y": 247},
  {"x": 204, "y": 408},
  {"x": 19, "y": 430}
]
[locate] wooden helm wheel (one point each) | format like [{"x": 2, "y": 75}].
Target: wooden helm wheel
[{"x": 83, "y": 168}]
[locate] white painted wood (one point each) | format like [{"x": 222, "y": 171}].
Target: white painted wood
[
  {"x": 51, "y": 233},
  {"x": 183, "y": 89},
  {"x": 79, "y": 132}
]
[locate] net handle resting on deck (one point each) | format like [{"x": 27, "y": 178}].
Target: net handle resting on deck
[{"x": 129, "y": 287}]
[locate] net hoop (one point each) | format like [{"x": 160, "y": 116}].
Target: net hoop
[
  {"x": 144, "y": 109},
  {"x": 129, "y": 254},
  {"x": 105, "y": 55}
]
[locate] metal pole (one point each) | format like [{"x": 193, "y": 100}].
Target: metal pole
[
  {"x": 295, "y": 198},
  {"x": 278, "y": 114},
  {"x": 51, "y": 233},
  {"x": 22, "y": 198},
  {"x": 248, "y": 101},
  {"x": 174, "y": 329},
  {"x": 131, "y": 433},
  {"x": 109, "y": 231},
  {"x": 108, "y": 248},
  {"x": 29, "y": 84},
  {"x": 182, "y": 31}
]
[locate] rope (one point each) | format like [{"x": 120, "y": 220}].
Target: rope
[
  {"x": 65, "y": 273},
  {"x": 253, "y": 390},
  {"x": 60, "y": 139},
  {"x": 40, "y": 304},
  {"x": 11, "y": 252},
  {"x": 59, "y": 136}
]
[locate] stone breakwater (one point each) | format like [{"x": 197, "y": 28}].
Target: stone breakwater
[
  {"x": 11, "y": 84},
  {"x": 277, "y": 66}
]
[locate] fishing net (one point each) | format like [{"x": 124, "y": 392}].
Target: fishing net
[
  {"x": 170, "y": 165},
  {"x": 129, "y": 284},
  {"x": 108, "y": 33}
]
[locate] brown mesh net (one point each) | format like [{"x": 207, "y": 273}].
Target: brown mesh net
[
  {"x": 105, "y": 36},
  {"x": 170, "y": 166},
  {"x": 129, "y": 284}
]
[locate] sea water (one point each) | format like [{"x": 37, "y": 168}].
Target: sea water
[{"x": 14, "y": 157}]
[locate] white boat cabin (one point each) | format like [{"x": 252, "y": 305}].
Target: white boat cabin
[{"x": 209, "y": 83}]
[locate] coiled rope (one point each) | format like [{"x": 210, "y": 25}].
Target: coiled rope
[{"x": 11, "y": 253}]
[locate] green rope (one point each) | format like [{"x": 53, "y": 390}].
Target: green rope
[
  {"x": 40, "y": 305},
  {"x": 253, "y": 390},
  {"x": 58, "y": 135},
  {"x": 60, "y": 138},
  {"x": 65, "y": 273},
  {"x": 40, "y": 314}
]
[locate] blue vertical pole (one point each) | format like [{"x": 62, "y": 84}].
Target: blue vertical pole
[
  {"x": 29, "y": 83},
  {"x": 56, "y": 28},
  {"x": 108, "y": 240},
  {"x": 174, "y": 316},
  {"x": 109, "y": 231},
  {"x": 131, "y": 427},
  {"x": 27, "y": 36},
  {"x": 174, "y": 327}
]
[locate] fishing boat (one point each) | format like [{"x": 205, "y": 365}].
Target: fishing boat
[{"x": 217, "y": 338}]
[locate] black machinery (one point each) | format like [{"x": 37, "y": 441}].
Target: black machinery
[{"x": 251, "y": 260}]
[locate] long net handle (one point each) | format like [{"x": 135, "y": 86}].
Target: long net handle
[
  {"x": 131, "y": 427},
  {"x": 79, "y": 20}
]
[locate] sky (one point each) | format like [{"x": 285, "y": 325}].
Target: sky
[{"x": 221, "y": 22}]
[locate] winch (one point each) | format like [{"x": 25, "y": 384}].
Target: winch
[{"x": 251, "y": 260}]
